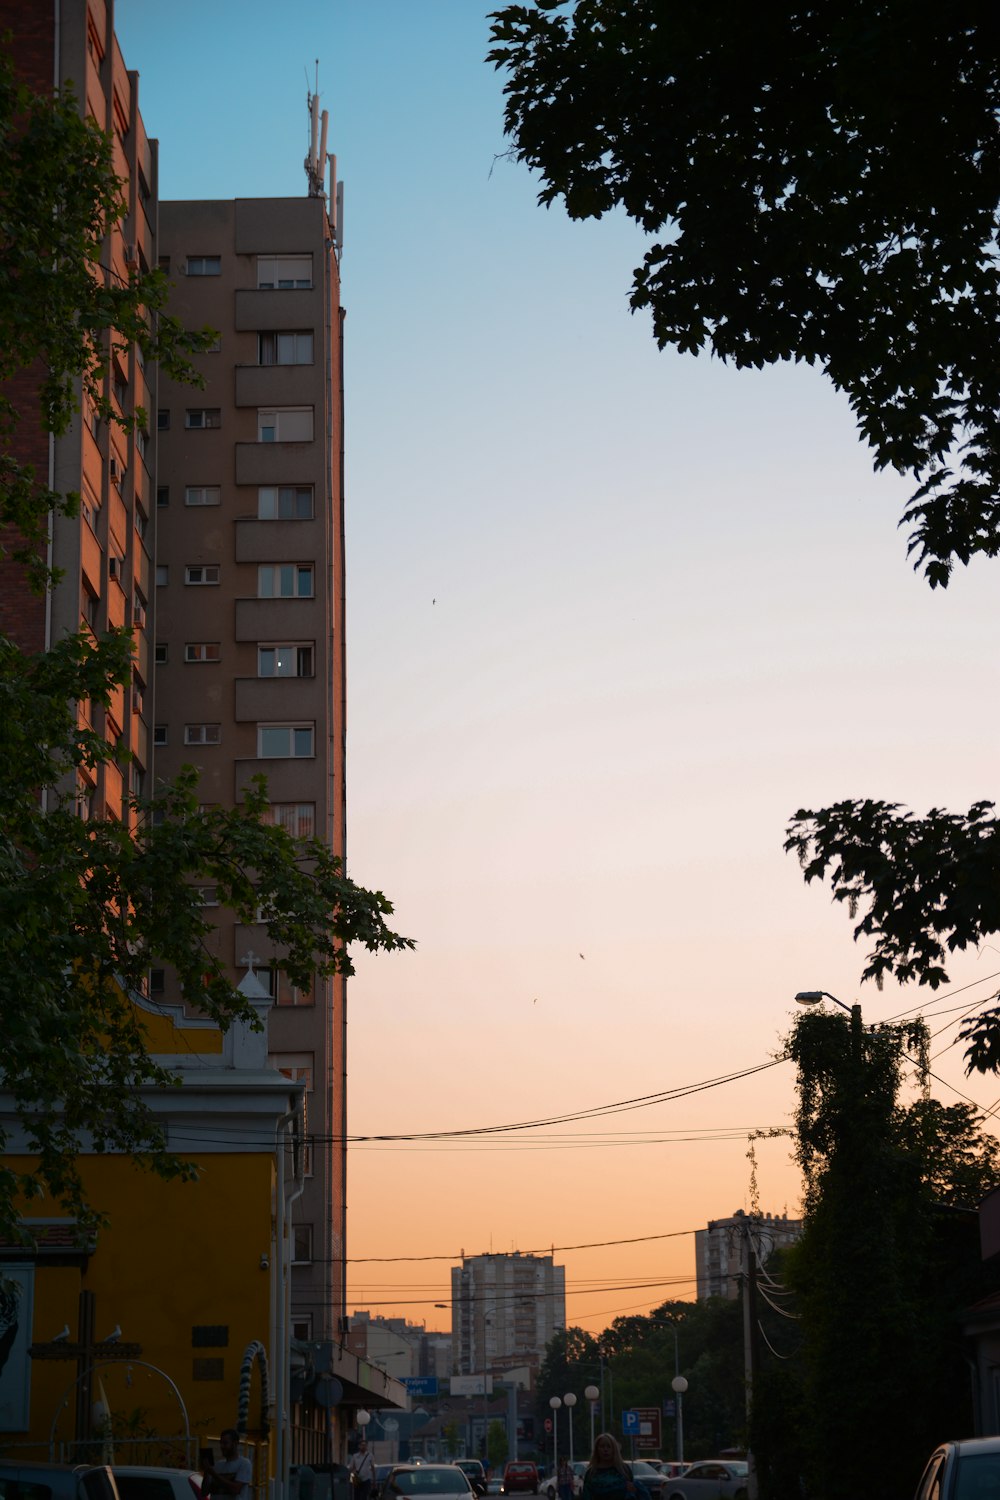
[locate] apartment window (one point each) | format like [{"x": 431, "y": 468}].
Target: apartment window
[
  {"x": 284, "y": 272},
  {"x": 160, "y": 653},
  {"x": 302, "y": 1327},
  {"x": 163, "y": 419},
  {"x": 119, "y": 383},
  {"x": 157, "y": 981},
  {"x": 142, "y": 442},
  {"x": 138, "y": 609},
  {"x": 285, "y": 502},
  {"x": 285, "y": 424},
  {"x": 285, "y": 741},
  {"x": 285, "y": 581},
  {"x": 141, "y": 522},
  {"x": 138, "y": 696},
  {"x": 199, "y": 418},
  {"x": 160, "y": 735},
  {"x": 162, "y": 575},
  {"x": 202, "y": 734},
  {"x": 285, "y": 348},
  {"x": 302, "y": 1244},
  {"x": 204, "y": 265},
  {"x": 296, "y": 818},
  {"x": 89, "y": 607},
  {"x": 202, "y": 651},
  {"x": 285, "y": 661},
  {"x": 138, "y": 780},
  {"x": 207, "y": 895},
  {"x": 202, "y": 573},
  {"x": 162, "y": 496},
  {"x": 202, "y": 494}
]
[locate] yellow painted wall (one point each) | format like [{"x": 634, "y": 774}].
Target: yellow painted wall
[{"x": 177, "y": 1255}]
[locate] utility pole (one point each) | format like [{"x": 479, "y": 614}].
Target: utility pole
[{"x": 750, "y": 1345}]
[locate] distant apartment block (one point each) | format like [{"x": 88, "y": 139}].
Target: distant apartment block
[
  {"x": 249, "y": 594},
  {"x": 505, "y": 1309},
  {"x": 719, "y": 1248}
]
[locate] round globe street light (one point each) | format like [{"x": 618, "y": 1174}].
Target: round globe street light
[
  {"x": 555, "y": 1404},
  {"x": 593, "y": 1395},
  {"x": 569, "y": 1402},
  {"x": 679, "y": 1385},
  {"x": 361, "y": 1419}
]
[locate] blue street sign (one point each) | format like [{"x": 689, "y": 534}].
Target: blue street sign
[
  {"x": 421, "y": 1385},
  {"x": 630, "y": 1423}
]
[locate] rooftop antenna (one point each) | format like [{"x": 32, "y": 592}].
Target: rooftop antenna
[{"x": 315, "y": 162}]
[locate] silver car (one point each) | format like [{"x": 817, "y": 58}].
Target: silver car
[
  {"x": 428, "y": 1481},
  {"x": 711, "y": 1479}
]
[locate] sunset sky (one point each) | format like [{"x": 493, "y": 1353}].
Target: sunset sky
[{"x": 614, "y": 615}]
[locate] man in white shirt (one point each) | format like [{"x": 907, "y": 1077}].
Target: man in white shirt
[
  {"x": 232, "y": 1476},
  {"x": 362, "y": 1467}
]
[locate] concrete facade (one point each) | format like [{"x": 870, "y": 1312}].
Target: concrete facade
[
  {"x": 106, "y": 551},
  {"x": 250, "y": 613},
  {"x": 718, "y": 1249},
  {"x": 505, "y": 1309}
]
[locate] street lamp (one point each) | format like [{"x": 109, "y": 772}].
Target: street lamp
[
  {"x": 679, "y": 1385},
  {"x": 593, "y": 1395},
  {"x": 362, "y": 1418},
  {"x": 816, "y": 997},
  {"x": 569, "y": 1402},
  {"x": 555, "y": 1404}
]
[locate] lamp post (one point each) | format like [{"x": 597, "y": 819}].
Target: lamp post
[
  {"x": 816, "y": 997},
  {"x": 593, "y": 1395},
  {"x": 555, "y": 1404},
  {"x": 362, "y": 1418},
  {"x": 569, "y": 1402},
  {"x": 679, "y": 1385}
]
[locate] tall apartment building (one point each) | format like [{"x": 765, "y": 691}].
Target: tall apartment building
[
  {"x": 105, "y": 553},
  {"x": 249, "y": 645},
  {"x": 720, "y": 1249},
  {"x": 505, "y": 1309}
]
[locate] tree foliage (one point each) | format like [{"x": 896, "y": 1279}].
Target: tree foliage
[
  {"x": 888, "y": 1259},
  {"x": 87, "y": 906},
  {"x": 821, "y": 184},
  {"x": 928, "y": 887}
]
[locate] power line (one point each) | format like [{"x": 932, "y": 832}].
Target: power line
[{"x": 640, "y": 1239}]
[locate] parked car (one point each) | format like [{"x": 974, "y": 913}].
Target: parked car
[
  {"x": 382, "y": 1472},
  {"x": 652, "y": 1481},
  {"x": 711, "y": 1479},
  {"x": 19, "y": 1481},
  {"x": 494, "y": 1485},
  {"x": 138, "y": 1482},
  {"x": 969, "y": 1467},
  {"x": 520, "y": 1478},
  {"x": 435, "y": 1481},
  {"x": 474, "y": 1473},
  {"x": 549, "y": 1488}
]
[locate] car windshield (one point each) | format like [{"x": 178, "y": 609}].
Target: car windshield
[
  {"x": 978, "y": 1477},
  {"x": 429, "y": 1482}
]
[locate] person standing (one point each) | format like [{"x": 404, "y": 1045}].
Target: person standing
[
  {"x": 564, "y": 1480},
  {"x": 232, "y": 1476},
  {"x": 362, "y": 1467},
  {"x": 608, "y": 1476}
]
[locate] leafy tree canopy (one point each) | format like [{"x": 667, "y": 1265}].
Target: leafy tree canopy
[
  {"x": 821, "y": 184},
  {"x": 87, "y": 906}
]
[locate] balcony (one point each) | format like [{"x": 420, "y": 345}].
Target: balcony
[
  {"x": 279, "y": 385},
  {"x": 287, "y": 780},
  {"x": 279, "y": 463},
  {"x": 278, "y": 619},
  {"x": 263, "y": 541},
  {"x": 301, "y": 307},
  {"x": 280, "y": 699}
]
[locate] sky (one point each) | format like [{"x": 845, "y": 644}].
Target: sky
[{"x": 614, "y": 616}]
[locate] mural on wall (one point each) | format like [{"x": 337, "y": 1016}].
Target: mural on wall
[{"x": 17, "y": 1286}]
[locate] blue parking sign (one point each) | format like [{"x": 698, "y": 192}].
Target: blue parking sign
[{"x": 630, "y": 1423}]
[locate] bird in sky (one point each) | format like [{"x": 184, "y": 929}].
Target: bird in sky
[{"x": 581, "y": 955}]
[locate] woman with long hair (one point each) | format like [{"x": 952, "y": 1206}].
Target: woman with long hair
[{"x": 608, "y": 1476}]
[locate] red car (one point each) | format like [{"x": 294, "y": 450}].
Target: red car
[{"x": 520, "y": 1479}]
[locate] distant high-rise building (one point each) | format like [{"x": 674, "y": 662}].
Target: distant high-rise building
[
  {"x": 250, "y": 615},
  {"x": 505, "y": 1309},
  {"x": 720, "y": 1248}
]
